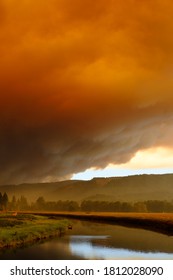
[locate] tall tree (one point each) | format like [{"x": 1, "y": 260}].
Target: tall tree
[
  {"x": 13, "y": 203},
  {"x": 1, "y": 202},
  {"x": 22, "y": 203},
  {"x": 40, "y": 203},
  {"x": 5, "y": 201}
]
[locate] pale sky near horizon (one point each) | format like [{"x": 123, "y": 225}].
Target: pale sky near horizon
[{"x": 150, "y": 161}]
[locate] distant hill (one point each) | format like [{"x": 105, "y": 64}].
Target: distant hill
[{"x": 130, "y": 188}]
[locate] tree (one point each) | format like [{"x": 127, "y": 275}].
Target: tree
[
  {"x": 126, "y": 207},
  {"x": 13, "y": 203},
  {"x": 1, "y": 202},
  {"x": 40, "y": 203},
  {"x": 140, "y": 207},
  {"x": 22, "y": 203},
  {"x": 72, "y": 206},
  {"x": 4, "y": 201}
]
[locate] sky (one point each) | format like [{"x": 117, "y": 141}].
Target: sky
[
  {"x": 150, "y": 161},
  {"x": 85, "y": 85}
]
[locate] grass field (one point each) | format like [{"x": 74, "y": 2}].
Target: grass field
[
  {"x": 27, "y": 228},
  {"x": 31, "y": 227},
  {"x": 160, "y": 222}
]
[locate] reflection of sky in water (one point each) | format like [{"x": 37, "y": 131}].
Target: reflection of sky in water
[
  {"x": 88, "y": 240},
  {"x": 82, "y": 246},
  {"x": 88, "y": 237}
]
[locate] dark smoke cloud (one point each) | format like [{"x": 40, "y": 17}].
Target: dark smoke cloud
[{"x": 82, "y": 84}]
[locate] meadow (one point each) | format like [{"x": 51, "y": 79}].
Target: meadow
[
  {"x": 159, "y": 222},
  {"x": 27, "y": 228},
  {"x": 30, "y": 227}
]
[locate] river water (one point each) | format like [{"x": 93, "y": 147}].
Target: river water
[{"x": 89, "y": 240}]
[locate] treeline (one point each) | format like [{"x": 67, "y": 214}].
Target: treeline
[
  {"x": 40, "y": 204},
  {"x": 152, "y": 206},
  {"x": 21, "y": 204}
]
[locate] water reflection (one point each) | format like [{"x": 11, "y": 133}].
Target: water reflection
[
  {"x": 98, "y": 241},
  {"x": 84, "y": 247}
]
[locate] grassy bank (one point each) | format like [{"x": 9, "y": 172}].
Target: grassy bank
[
  {"x": 27, "y": 228},
  {"x": 32, "y": 227},
  {"x": 159, "y": 222}
]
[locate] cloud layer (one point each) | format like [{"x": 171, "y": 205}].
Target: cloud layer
[{"x": 82, "y": 84}]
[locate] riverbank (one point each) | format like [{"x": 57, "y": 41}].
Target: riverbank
[
  {"x": 158, "y": 222},
  {"x": 28, "y": 228}
]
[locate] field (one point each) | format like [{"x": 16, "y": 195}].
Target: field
[
  {"x": 32, "y": 227},
  {"x": 27, "y": 228},
  {"x": 159, "y": 222}
]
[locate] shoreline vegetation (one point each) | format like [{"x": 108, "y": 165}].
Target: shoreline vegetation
[
  {"x": 158, "y": 222},
  {"x": 23, "y": 229}
]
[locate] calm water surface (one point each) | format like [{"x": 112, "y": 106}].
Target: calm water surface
[{"x": 89, "y": 240}]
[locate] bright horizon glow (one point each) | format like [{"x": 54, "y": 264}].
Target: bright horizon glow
[{"x": 150, "y": 161}]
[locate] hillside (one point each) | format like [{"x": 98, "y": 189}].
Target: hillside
[{"x": 130, "y": 188}]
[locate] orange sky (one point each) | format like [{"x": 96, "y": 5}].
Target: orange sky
[{"x": 82, "y": 84}]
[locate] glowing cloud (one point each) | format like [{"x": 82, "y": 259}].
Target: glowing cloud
[{"x": 82, "y": 84}]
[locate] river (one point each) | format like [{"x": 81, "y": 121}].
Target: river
[{"x": 89, "y": 240}]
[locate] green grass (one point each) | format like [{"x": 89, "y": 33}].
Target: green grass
[
  {"x": 25, "y": 228},
  {"x": 159, "y": 222}
]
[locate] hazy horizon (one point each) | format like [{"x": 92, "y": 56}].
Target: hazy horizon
[{"x": 87, "y": 176}]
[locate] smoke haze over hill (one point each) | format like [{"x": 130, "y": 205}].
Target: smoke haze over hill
[{"x": 130, "y": 189}]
